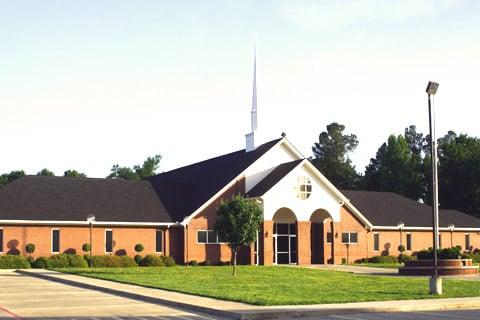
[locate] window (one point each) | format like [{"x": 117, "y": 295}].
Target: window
[
  {"x": 303, "y": 188},
  {"x": 349, "y": 237},
  {"x": 1, "y": 240},
  {"x": 440, "y": 241},
  {"x": 409, "y": 241},
  {"x": 55, "y": 240},
  {"x": 159, "y": 241},
  {"x": 208, "y": 237},
  {"x": 376, "y": 241},
  {"x": 467, "y": 241},
  {"x": 329, "y": 237},
  {"x": 108, "y": 241}
]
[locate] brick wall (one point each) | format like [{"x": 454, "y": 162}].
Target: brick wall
[{"x": 72, "y": 238}]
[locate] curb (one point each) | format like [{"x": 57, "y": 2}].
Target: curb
[
  {"x": 135, "y": 296},
  {"x": 280, "y": 312}
]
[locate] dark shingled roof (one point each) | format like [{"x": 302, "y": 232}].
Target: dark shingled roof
[
  {"x": 388, "y": 209},
  {"x": 272, "y": 178},
  {"x": 185, "y": 189},
  {"x": 72, "y": 199}
]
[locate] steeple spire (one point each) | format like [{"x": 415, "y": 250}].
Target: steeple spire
[{"x": 250, "y": 137}]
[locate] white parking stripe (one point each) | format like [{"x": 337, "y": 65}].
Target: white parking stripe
[{"x": 345, "y": 317}]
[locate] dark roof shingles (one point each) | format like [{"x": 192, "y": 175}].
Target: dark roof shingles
[
  {"x": 273, "y": 178},
  {"x": 388, "y": 209}
]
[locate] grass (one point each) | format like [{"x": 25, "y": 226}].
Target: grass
[{"x": 261, "y": 285}]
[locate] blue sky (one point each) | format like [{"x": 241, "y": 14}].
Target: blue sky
[{"x": 86, "y": 84}]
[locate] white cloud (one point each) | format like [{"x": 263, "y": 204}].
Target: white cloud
[{"x": 336, "y": 15}]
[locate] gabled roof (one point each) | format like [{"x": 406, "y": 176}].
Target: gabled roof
[
  {"x": 387, "y": 209},
  {"x": 73, "y": 199},
  {"x": 185, "y": 189},
  {"x": 272, "y": 178}
]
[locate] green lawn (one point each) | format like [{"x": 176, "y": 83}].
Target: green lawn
[{"x": 280, "y": 285}]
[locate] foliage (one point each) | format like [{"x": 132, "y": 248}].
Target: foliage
[
  {"x": 398, "y": 166},
  {"x": 261, "y": 285},
  {"x": 237, "y": 223},
  {"x": 383, "y": 259},
  {"x": 193, "y": 263},
  {"x": 168, "y": 261},
  {"x": 446, "y": 253},
  {"x": 7, "y": 178},
  {"x": 139, "y": 247},
  {"x": 46, "y": 173},
  {"x": 74, "y": 174},
  {"x": 14, "y": 262},
  {"x": 86, "y": 247},
  {"x": 137, "y": 259},
  {"x": 138, "y": 172},
  {"x": 151, "y": 260},
  {"x": 401, "y": 248},
  {"x": 63, "y": 260},
  {"x": 30, "y": 248},
  {"x": 112, "y": 261},
  {"x": 405, "y": 257},
  {"x": 330, "y": 156},
  {"x": 41, "y": 263}
]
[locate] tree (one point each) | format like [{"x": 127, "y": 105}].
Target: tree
[
  {"x": 331, "y": 156},
  {"x": 459, "y": 173},
  {"x": 74, "y": 174},
  {"x": 238, "y": 221},
  {"x": 397, "y": 166},
  {"x": 46, "y": 173},
  {"x": 10, "y": 177},
  {"x": 139, "y": 172}
]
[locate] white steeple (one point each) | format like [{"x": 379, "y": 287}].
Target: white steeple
[{"x": 250, "y": 137}]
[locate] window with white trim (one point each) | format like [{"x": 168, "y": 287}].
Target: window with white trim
[
  {"x": 303, "y": 188},
  {"x": 108, "y": 241},
  {"x": 350, "y": 237},
  {"x": 376, "y": 241},
  {"x": 1, "y": 240},
  {"x": 409, "y": 242},
  {"x": 467, "y": 241},
  {"x": 208, "y": 237},
  {"x": 159, "y": 240},
  {"x": 55, "y": 240}
]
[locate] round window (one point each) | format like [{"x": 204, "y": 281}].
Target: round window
[{"x": 303, "y": 188}]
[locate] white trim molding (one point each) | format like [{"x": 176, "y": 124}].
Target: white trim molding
[{"x": 392, "y": 228}]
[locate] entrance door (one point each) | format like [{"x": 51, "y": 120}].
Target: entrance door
[
  {"x": 317, "y": 245},
  {"x": 284, "y": 243}
]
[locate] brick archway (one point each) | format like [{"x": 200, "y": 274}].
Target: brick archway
[
  {"x": 321, "y": 239},
  {"x": 284, "y": 237}
]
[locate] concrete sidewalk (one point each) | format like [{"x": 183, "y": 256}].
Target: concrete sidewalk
[{"x": 235, "y": 310}]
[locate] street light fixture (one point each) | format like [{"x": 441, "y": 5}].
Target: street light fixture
[
  {"x": 435, "y": 281},
  {"x": 451, "y": 227},
  {"x": 400, "y": 226},
  {"x": 91, "y": 220}
]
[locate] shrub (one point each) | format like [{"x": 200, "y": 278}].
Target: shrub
[
  {"x": 86, "y": 257},
  {"x": 403, "y": 257},
  {"x": 424, "y": 255},
  {"x": 14, "y": 262},
  {"x": 139, "y": 247},
  {"x": 30, "y": 248},
  {"x": 344, "y": 260},
  {"x": 59, "y": 261},
  {"x": 41, "y": 263},
  {"x": 76, "y": 261},
  {"x": 446, "y": 253},
  {"x": 168, "y": 261},
  {"x": 194, "y": 263},
  {"x": 383, "y": 259},
  {"x": 401, "y": 248},
  {"x": 137, "y": 258},
  {"x": 151, "y": 260},
  {"x": 111, "y": 261},
  {"x": 205, "y": 263},
  {"x": 86, "y": 247}
]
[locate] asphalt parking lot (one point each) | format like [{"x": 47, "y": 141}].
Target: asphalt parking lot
[{"x": 25, "y": 297}]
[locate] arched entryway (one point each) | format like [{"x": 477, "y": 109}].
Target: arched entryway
[
  {"x": 321, "y": 237},
  {"x": 284, "y": 237}
]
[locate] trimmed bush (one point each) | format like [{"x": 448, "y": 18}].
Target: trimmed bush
[
  {"x": 112, "y": 261},
  {"x": 59, "y": 261},
  {"x": 194, "y": 263},
  {"x": 383, "y": 259},
  {"x": 14, "y": 262},
  {"x": 205, "y": 263},
  {"x": 76, "y": 261},
  {"x": 86, "y": 247},
  {"x": 446, "y": 253},
  {"x": 30, "y": 248},
  {"x": 151, "y": 260},
  {"x": 168, "y": 261},
  {"x": 138, "y": 258},
  {"x": 139, "y": 247},
  {"x": 401, "y": 248},
  {"x": 403, "y": 257},
  {"x": 41, "y": 263}
]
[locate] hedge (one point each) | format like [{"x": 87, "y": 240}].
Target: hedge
[
  {"x": 151, "y": 260},
  {"x": 14, "y": 262},
  {"x": 66, "y": 261},
  {"x": 446, "y": 253},
  {"x": 383, "y": 259},
  {"x": 112, "y": 261}
]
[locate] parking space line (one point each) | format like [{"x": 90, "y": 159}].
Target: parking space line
[
  {"x": 13, "y": 315},
  {"x": 446, "y": 315},
  {"x": 346, "y": 317}
]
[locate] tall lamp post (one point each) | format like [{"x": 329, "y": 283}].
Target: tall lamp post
[
  {"x": 400, "y": 226},
  {"x": 435, "y": 280},
  {"x": 451, "y": 227},
  {"x": 91, "y": 220}
]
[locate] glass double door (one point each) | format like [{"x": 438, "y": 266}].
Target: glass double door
[{"x": 284, "y": 243}]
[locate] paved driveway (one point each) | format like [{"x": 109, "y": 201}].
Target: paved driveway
[{"x": 25, "y": 297}]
